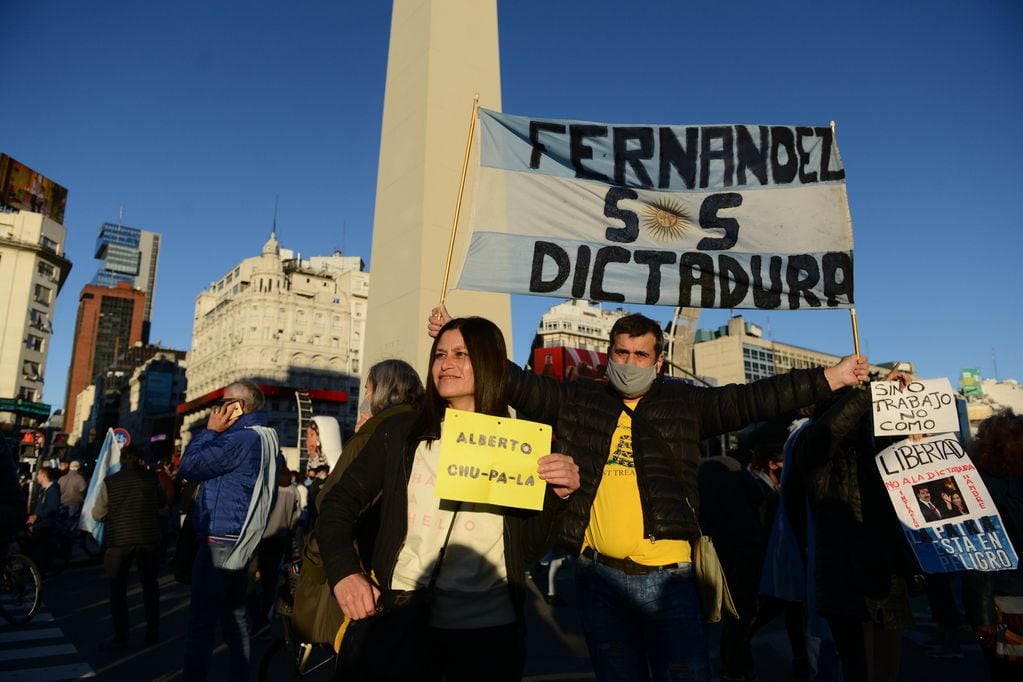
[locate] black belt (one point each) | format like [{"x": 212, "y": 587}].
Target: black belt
[{"x": 626, "y": 566}]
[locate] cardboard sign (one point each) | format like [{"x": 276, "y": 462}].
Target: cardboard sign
[
  {"x": 492, "y": 460},
  {"x": 923, "y": 407},
  {"x": 947, "y": 514}
]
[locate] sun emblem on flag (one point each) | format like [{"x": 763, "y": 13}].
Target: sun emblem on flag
[{"x": 666, "y": 219}]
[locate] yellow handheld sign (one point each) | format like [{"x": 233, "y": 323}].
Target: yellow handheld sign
[{"x": 492, "y": 460}]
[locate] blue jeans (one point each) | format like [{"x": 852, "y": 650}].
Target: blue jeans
[
  {"x": 642, "y": 626},
  {"x": 216, "y": 594}
]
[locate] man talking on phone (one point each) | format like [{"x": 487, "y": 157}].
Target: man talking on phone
[{"x": 235, "y": 460}]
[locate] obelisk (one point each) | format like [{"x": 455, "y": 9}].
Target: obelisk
[{"x": 442, "y": 52}]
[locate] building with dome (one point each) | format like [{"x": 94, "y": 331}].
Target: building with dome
[{"x": 295, "y": 326}]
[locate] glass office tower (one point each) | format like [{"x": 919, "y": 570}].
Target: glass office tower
[{"x": 129, "y": 255}]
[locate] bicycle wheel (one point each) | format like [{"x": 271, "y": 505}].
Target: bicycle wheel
[{"x": 22, "y": 586}]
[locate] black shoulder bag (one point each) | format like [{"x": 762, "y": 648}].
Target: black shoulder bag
[{"x": 392, "y": 644}]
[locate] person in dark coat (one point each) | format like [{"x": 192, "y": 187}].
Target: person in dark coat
[
  {"x": 129, "y": 503},
  {"x": 12, "y": 500},
  {"x": 862, "y": 560},
  {"x": 392, "y": 387},
  {"x": 997, "y": 452},
  {"x": 42, "y": 522},
  {"x": 729, "y": 513}
]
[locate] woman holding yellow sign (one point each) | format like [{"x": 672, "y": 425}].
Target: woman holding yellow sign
[{"x": 445, "y": 597}]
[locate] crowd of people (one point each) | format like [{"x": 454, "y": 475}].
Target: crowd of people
[{"x": 407, "y": 585}]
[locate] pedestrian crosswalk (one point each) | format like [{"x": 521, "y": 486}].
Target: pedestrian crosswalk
[{"x": 39, "y": 651}]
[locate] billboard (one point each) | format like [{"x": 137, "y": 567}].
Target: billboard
[
  {"x": 969, "y": 382},
  {"x": 24, "y": 189}
]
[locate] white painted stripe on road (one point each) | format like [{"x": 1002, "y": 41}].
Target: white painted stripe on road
[
  {"x": 29, "y": 635},
  {"x": 37, "y": 618},
  {"x": 75, "y": 671},
  {"x": 38, "y": 652}
]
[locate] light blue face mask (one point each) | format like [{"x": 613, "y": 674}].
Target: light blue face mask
[
  {"x": 364, "y": 407},
  {"x": 629, "y": 380}
]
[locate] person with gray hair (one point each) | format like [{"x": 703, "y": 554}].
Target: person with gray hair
[
  {"x": 235, "y": 459},
  {"x": 392, "y": 387},
  {"x": 249, "y": 393},
  {"x": 391, "y": 382}
]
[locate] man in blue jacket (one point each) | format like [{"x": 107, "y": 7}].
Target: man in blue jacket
[{"x": 235, "y": 460}]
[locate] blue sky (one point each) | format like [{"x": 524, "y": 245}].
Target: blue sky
[{"x": 194, "y": 115}]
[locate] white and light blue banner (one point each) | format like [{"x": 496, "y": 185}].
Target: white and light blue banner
[
  {"x": 108, "y": 462},
  {"x": 947, "y": 514},
  {"x": 727, "y": 216}
]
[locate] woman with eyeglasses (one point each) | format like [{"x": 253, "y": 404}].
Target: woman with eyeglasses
[{"x": 475, "y": 623}]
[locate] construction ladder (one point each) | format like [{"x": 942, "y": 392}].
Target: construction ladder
[{"x": 305, "y": 415}]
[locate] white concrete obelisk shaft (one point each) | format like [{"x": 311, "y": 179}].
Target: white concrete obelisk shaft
[{"x": 442, "y": 52}]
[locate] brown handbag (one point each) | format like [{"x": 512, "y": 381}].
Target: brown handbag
[{"x": 317, "y": 617}]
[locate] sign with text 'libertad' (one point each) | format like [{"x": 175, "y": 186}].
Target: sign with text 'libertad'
[{"x": 947, "y": 514}]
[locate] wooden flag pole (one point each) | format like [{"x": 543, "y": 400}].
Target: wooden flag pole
[
  {"x": 458, "y": 202},
  {"x": 856, "y": 331}
]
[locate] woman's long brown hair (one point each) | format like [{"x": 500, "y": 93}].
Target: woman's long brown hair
[{"x": 489, "y": 357}]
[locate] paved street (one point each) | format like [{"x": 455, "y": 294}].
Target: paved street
[{"x": 63, "y": 641}]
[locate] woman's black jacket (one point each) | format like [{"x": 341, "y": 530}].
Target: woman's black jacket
[
  {"x": 862, "y": 559},
  {"x": 383, "y": 467}
]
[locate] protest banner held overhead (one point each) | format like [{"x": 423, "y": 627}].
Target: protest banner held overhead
[
  {"x": 724, "y": 216},
  {"x": 923, "y": 407},
  {"x": 947, "y": 515},
  {"x": 492, "y": 460}
]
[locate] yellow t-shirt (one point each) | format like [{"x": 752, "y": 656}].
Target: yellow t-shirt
[{"x": 616, "y": 517}]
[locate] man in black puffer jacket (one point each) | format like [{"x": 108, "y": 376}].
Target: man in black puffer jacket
[
  {"x": 129, "y": 503},
  {"x": 636, "y": 442}
]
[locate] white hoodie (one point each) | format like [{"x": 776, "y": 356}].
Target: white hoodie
[{"x": 330, "y": 439}]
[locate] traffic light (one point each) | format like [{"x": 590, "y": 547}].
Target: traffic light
[{"x": 27, "y": 445}]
